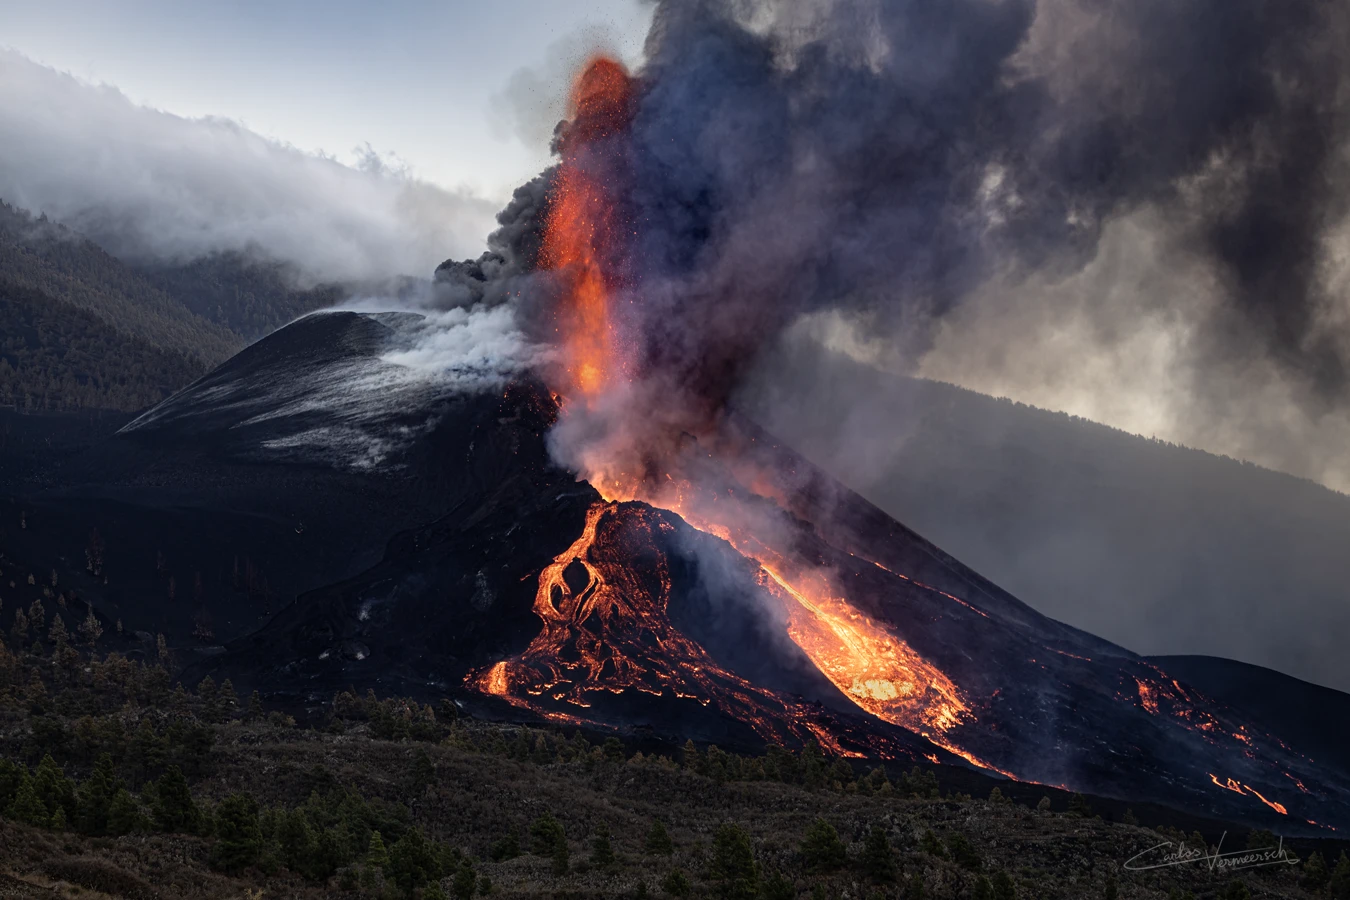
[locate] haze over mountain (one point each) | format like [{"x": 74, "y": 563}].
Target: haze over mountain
[
  {"x": 153, "y": 187},
  {"x": 86, "y": 330}
]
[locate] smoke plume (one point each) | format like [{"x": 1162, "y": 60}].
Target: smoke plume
[{"x": 1143, "y": 189}]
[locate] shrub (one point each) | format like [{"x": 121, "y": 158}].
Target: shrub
[
  {"x": 733, "y": 864},
  {"x": 821, "y": 849}
]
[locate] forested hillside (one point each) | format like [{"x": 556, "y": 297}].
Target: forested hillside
[
  {"x": 82, "y": 329},
  {"x": 249, "y": 298},
  {"x": 57, "y": 356}
]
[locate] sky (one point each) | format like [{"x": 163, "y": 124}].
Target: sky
[{"x": 455, "y": 90}]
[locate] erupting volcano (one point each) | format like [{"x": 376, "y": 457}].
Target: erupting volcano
[
  {"x": 892, "y": 628},
  {"x": 583, "y": 242},
  {"x": 620, "y": 549}
]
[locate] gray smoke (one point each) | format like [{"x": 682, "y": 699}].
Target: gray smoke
[{"x": 1098, "y": 198}]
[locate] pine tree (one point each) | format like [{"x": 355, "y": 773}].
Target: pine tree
[
  {"x": 424, "y": 770},
  {"x": 602, "y": 851},
  {"x": 878, "y": 860},
  {"x": 821, "y": 849},
  {"x": 733, "y": 863},
  {"x": 96, "y": 796},
  {"x": 124, "y": 814},
  {"x": 37, "y": 615},
  {"x": 27, "y": 806},
  {"x": 238, "y": 834},
  {"x": 689, "y": 757},
  {"x": 255, "y": 708},
  {"x": 1338, "y": 885},
  {"x": 560, "y": 858},
  {"x": 546, "y": 833},
  {"x": 984, "y": 889},
  {"x": 296, "y": 841},
  {"x": 930, "y": 844},
  {"x": 377, "y": 856},
  {"x": 658, "y": 840},
  {"x": 677, "y": 884},
  {"x": 505, "y": 848},
  {"x": 229, "y": 701},
  {"x": 57, "y": 634},
  {"x": 54, "y": 789},
  {"x": 209, "y": 697},
  {"x": 777, "y": 887},
  {"x": 466, "y": 880},
  {"x": 1315, "y": 872},
  {"x": 90, "y": 629},
  {"x": 412, "y": 861},
  {"x": 174, "y": 808},
  {"x": 963, "y": 854},
  {"x": 1004, "y": 889}
]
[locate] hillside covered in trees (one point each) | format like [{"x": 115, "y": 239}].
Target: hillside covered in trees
[
  {"x": 114, "y": 780},
  {"x": 82, "y": 329}
]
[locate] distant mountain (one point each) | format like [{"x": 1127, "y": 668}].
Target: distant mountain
[
  {"x": 82, "y": 329},
  {"x": 1160, "y": 548}
]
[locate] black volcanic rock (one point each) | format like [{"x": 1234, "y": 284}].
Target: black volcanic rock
[
  {"x": 654, "y": 624},
  {"x": 1313, "y": 718}
]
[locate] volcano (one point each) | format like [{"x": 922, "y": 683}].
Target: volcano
[{"x": 786, "y": 610}]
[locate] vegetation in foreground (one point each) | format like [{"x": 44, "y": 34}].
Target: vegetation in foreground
[{"x": 115, "y": 782}]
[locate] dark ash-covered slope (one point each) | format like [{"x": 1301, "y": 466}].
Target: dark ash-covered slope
[{"x": 658, "y": 626}]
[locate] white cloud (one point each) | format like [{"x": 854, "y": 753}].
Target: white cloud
[{"x": 157, "y": 185}]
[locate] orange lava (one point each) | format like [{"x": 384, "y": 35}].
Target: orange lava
[
  {"x": 1148, "y": 697},
  {"x": 874, "y": 668},
  {"x": 607, "y": 632},
  {"x": 582, "y": 231},
  {"x": 1238, "y": 787}
]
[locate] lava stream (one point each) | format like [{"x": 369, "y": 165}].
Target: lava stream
[{"x": 604, "y": 604}]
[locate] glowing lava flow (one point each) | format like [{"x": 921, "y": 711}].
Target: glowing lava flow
[
  {"x": 604, "y": 606},
  {"x": 875, "y": 669},
  {"x": 1238, "y": 787}
]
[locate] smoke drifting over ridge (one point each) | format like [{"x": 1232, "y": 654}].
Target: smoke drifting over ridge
[
  {"x": 948, "y": 179},
  {"x": 152, "y": 186}
]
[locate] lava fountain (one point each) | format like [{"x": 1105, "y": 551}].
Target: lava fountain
[{"x": 583, "y": 233}]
